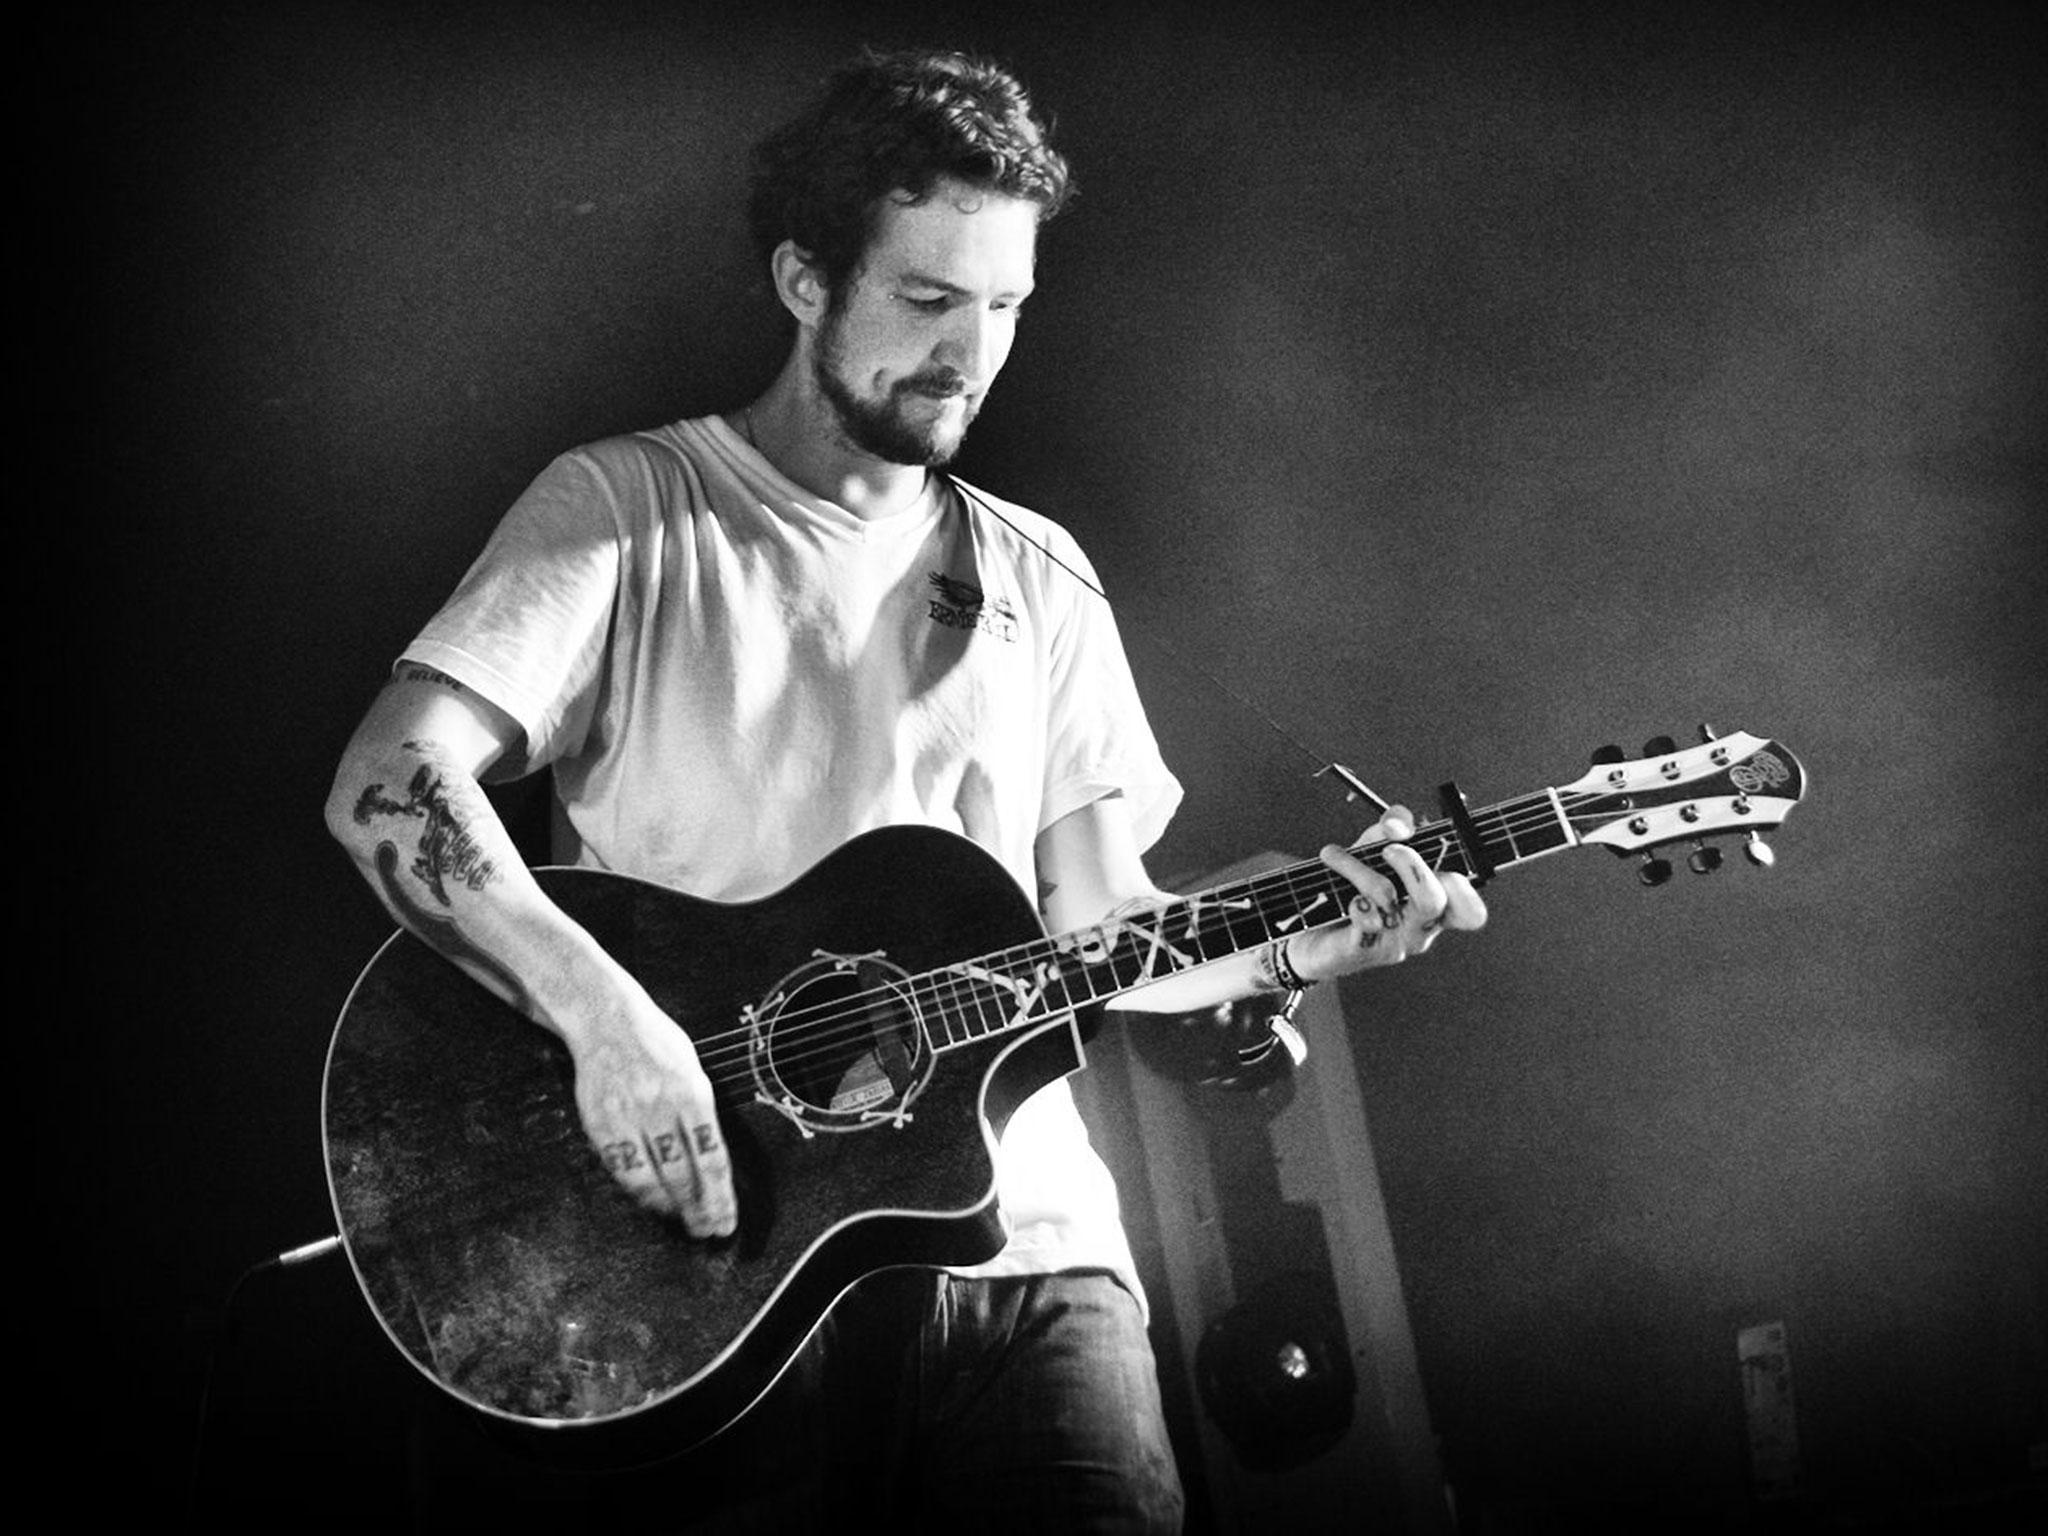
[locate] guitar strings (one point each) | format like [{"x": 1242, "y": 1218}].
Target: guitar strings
[
  {"x": 949, "y": 994},
  {"x": 1042, "y": 965},
  {"x": 946, "y": 998}
]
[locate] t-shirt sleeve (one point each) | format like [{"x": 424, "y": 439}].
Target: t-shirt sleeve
[
  {"x": 1100, "y": 742},
  {"x": 527, "y": 626}
]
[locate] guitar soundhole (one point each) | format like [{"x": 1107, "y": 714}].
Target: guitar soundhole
[{"x": 839, "y": 1045}]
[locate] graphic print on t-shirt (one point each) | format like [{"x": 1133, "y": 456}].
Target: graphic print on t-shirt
[{"x": 961, "y": 605}]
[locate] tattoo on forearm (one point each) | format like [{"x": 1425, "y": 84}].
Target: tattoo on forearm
[
  {"x": 445, "y": 807},
  {"x": 440, "y": 931},
  {"x": 446, "y": 849}
]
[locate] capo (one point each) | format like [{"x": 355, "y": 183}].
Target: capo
[{"x": 1478, "y": 863}]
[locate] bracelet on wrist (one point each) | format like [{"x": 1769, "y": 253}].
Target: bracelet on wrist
[{"x": 1283, "y": 970}]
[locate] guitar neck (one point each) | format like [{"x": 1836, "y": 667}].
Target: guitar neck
[{"x": 1025, "y": 986}]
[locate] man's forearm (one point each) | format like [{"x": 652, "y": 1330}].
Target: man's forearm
[
  {"x": 430, "y": 844},
  {"x": 408, "y": 807},
  {"x": 1259, "y": 970}
]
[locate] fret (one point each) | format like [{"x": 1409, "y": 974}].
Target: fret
[
  {"x": 1507, "y": 831},
  {"x": 979, "y": 1026},
  {"x": 1541, "y": 835},
  {"x": 1567, "y": 838}
]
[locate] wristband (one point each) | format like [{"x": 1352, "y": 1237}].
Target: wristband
[{"x": 1283, "y": 970}]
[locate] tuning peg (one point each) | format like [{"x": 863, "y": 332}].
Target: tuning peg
[
  {"x": 1704, "y": 859},
  {"x": 1659, "y": 746},
  {"x": 1760, "y": 852},
  {"x": 1608, "y": 754},
  {"x": 1655, "y": 871}
]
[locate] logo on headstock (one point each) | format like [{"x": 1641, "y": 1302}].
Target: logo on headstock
[{"x": 1759, "y": 772}]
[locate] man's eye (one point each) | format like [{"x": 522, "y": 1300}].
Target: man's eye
[{"x": 931, "y": 306}]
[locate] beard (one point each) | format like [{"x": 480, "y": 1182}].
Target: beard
[{"x": 896, "y": 428}]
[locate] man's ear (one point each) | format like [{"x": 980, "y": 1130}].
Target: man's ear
[{"x": 799, "y": 283}]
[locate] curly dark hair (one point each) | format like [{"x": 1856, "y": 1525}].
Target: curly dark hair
[{"x": 895, "y": 123}]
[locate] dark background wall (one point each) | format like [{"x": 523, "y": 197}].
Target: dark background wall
[{"x": 1462, "y": 388}]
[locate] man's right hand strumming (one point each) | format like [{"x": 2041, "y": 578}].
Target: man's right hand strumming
[
  {"x": 408, "y": 806},
  {"x": 648, "y": 1109}
]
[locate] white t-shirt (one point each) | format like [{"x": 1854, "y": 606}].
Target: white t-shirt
[{"x": 731, "y": 677}]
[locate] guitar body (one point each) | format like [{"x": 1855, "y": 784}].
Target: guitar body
[{"x": 506, "y": 1263}]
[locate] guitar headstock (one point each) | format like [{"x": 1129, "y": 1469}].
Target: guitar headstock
[{"x": 1728, "y": 784}]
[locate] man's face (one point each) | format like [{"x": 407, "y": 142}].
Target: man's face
[{"x": 919, "y": 332}]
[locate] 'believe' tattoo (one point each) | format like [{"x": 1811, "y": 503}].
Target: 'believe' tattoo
[{"x": 418, "y": 672}]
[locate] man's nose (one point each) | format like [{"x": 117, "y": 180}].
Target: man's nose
[{"x": 972, "y": 346}]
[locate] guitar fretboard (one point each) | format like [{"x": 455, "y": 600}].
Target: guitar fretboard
[{"x": 1026, "y": 985}]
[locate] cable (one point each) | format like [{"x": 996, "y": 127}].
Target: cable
[{"x": 304, "y": 1253}]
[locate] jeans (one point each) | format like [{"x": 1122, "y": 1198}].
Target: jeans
[{"x": 930, "y": 1403}]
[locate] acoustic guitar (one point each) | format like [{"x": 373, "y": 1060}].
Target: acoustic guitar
[{"x": 869, "y": 1029}]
